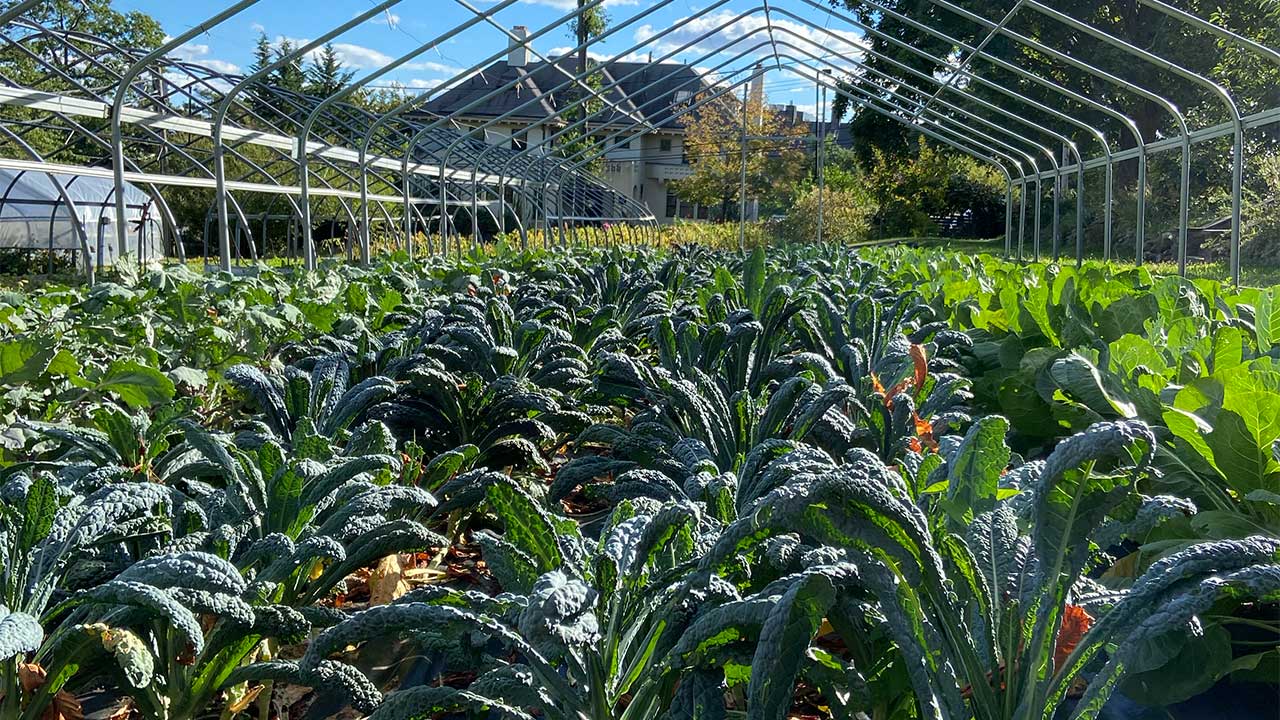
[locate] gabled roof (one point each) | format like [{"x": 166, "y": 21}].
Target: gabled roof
[{"x": 634, "y": 92}]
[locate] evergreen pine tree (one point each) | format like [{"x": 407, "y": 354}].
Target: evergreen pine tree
[
  {"x": 262, "y": 58},
  {"x": 326, "y": 75},
  {"x": 261, "y": 53},
  {"x": 289, "y": 76}
]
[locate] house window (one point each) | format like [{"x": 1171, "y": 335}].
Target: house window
[
  {"x": 626, "y": 145},
  {"x": 664, "y": 145},
  {"x": 518, "y": 144},
  {"x": 672, "y": 202}
]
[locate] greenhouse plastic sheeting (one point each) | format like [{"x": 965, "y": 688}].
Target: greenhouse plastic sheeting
[{"x": 33, "y": 215}]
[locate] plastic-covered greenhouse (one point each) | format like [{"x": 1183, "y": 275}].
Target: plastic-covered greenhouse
[
  {"x": 75, "y": 213},
  {"x": 168, "y": 125}
]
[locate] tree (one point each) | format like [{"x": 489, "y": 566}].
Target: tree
[
  {"x": 588, "y": 25},
  {"x": 44, "y": 65},
  {"x": 289, "y": 76},
  {"x": 262, "y": 54},
  {"x": 1256, "y": 82},
  {"x": 910, "y": 190},
  {"x": 776, "y": 157},
  {"x": 591, "y": 23},
  {"x": 133, "y": 29},
  {"x": 326, "y": 75}
]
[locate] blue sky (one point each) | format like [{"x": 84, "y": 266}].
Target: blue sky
[{"x": 412, "y": 23}]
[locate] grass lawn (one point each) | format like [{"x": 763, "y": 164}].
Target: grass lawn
[{"x": 1250, "y": 276}]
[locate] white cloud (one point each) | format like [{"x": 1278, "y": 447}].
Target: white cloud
[
  {"x": 198, "y": 53},
  {"x": 359, "y": 57},
  {"x": 222, "y": 66},
  {"x": 430, "y": 66}
]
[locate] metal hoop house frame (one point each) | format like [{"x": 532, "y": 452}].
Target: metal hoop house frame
[{"x": 147, "y": 118}]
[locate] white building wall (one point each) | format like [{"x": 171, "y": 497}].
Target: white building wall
[{"x": 641, "y": 172}]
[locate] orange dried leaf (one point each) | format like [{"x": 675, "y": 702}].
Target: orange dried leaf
[
  {"x": 924, "y": 430},
  {"x": 875, "y": 384},
  {"x": 31, "y": 676},
  {"x": 922, "y": 366},
  {"x": 65, "y": 706},
  {"x": 1075, "y": 623},
  {"x": 895, "y": 390}
]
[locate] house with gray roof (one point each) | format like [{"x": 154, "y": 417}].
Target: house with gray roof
[{"x": 638, "y": 119}]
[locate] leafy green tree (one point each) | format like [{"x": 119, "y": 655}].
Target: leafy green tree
[
  {"x": 262, "y": 53},
  {"x": 96, "y": 17},
  {"x": 590, "y": 24},
  {"x": 263, "y": 56},
  {"x": 776, "y": 158},
  {"x": 56, "y": 62}
]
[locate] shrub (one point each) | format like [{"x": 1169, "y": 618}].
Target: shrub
[
  {"x": 1260, "y": 241},
  {"x": 846, "y": 216}
]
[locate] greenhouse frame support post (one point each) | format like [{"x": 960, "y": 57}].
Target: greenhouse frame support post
[
  {"x": 1237, "y": 168},
  {"x": 1008, "y": 221},
  {"x": 224, "y": 106},
  {"x": 1022, "y": 218},
  {"x": 821, "y": 108},
  {"x": 304, "y": 133},
  {"x": 742, "y": 186},
  {"x": 1067, "y": 59},
  {"x": 122, "y": 89},
  {"x": 1233, "y": 108}
]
